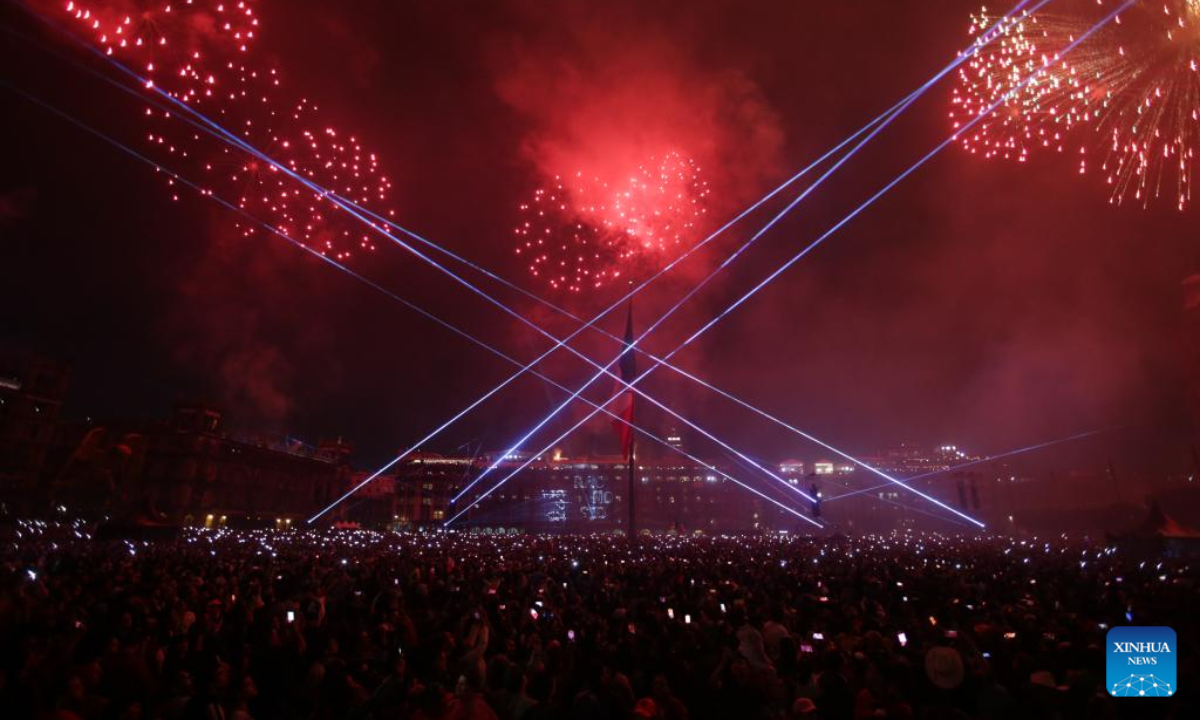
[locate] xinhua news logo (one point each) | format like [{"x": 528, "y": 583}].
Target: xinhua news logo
[{"x": 1141, "y": 662}]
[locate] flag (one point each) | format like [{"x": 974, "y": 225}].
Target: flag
[{"x": 624, "y": 405}]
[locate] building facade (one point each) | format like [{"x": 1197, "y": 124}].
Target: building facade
[
  {"x": 31, "y": 399},
  {"x": 193, "y": 470},
  {"x": 32, "y": 392}
]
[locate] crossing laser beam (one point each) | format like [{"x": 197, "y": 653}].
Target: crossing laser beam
[
  {"x": 392, "y": 295},
  {"x": 887, "y": 118},
  {"x": 343, "y": 202},
  {"x": 871, "y": 130},
  {"x": 349, "y": 205},
  {"x": 355, "y": 211},
  {"x": 212, "y": 127},
  {"x": 803, "y": 253}
]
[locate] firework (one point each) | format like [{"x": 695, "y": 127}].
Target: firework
[
  {"x": 332, "y": 160},
  {"x": 584, "y": 232},
  {"x": 1129, "y": 94},
  {"x": 199, "y": 52}
]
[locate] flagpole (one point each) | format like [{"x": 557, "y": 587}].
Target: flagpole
[
  {"x": 627, "y": 368},
  {"x": 630, "y": 464}
]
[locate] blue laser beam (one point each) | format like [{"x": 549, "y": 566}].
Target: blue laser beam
[
  {"x": 334, "y": 263},
  {"x": 803, "y": 253},
  {"x": 980, "y": 461}
]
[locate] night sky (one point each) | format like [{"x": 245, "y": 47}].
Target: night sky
[{"x": 987, "y": 303}]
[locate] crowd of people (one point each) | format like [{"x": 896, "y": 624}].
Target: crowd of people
[{"x": 258, "y": 625}]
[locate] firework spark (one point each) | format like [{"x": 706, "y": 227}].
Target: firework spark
[
  {"x": 181, "y": 47},
  {"x": 1130, "y": 94},
  {"x": 584, "y": 232}
]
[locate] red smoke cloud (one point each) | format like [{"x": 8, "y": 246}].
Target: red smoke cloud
[
  {"x": 606, "y": 89},
  {"x": 257, "y": 322},
  {"x": 602, "y": 95},
  {"x": 219, "y": 325}
]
